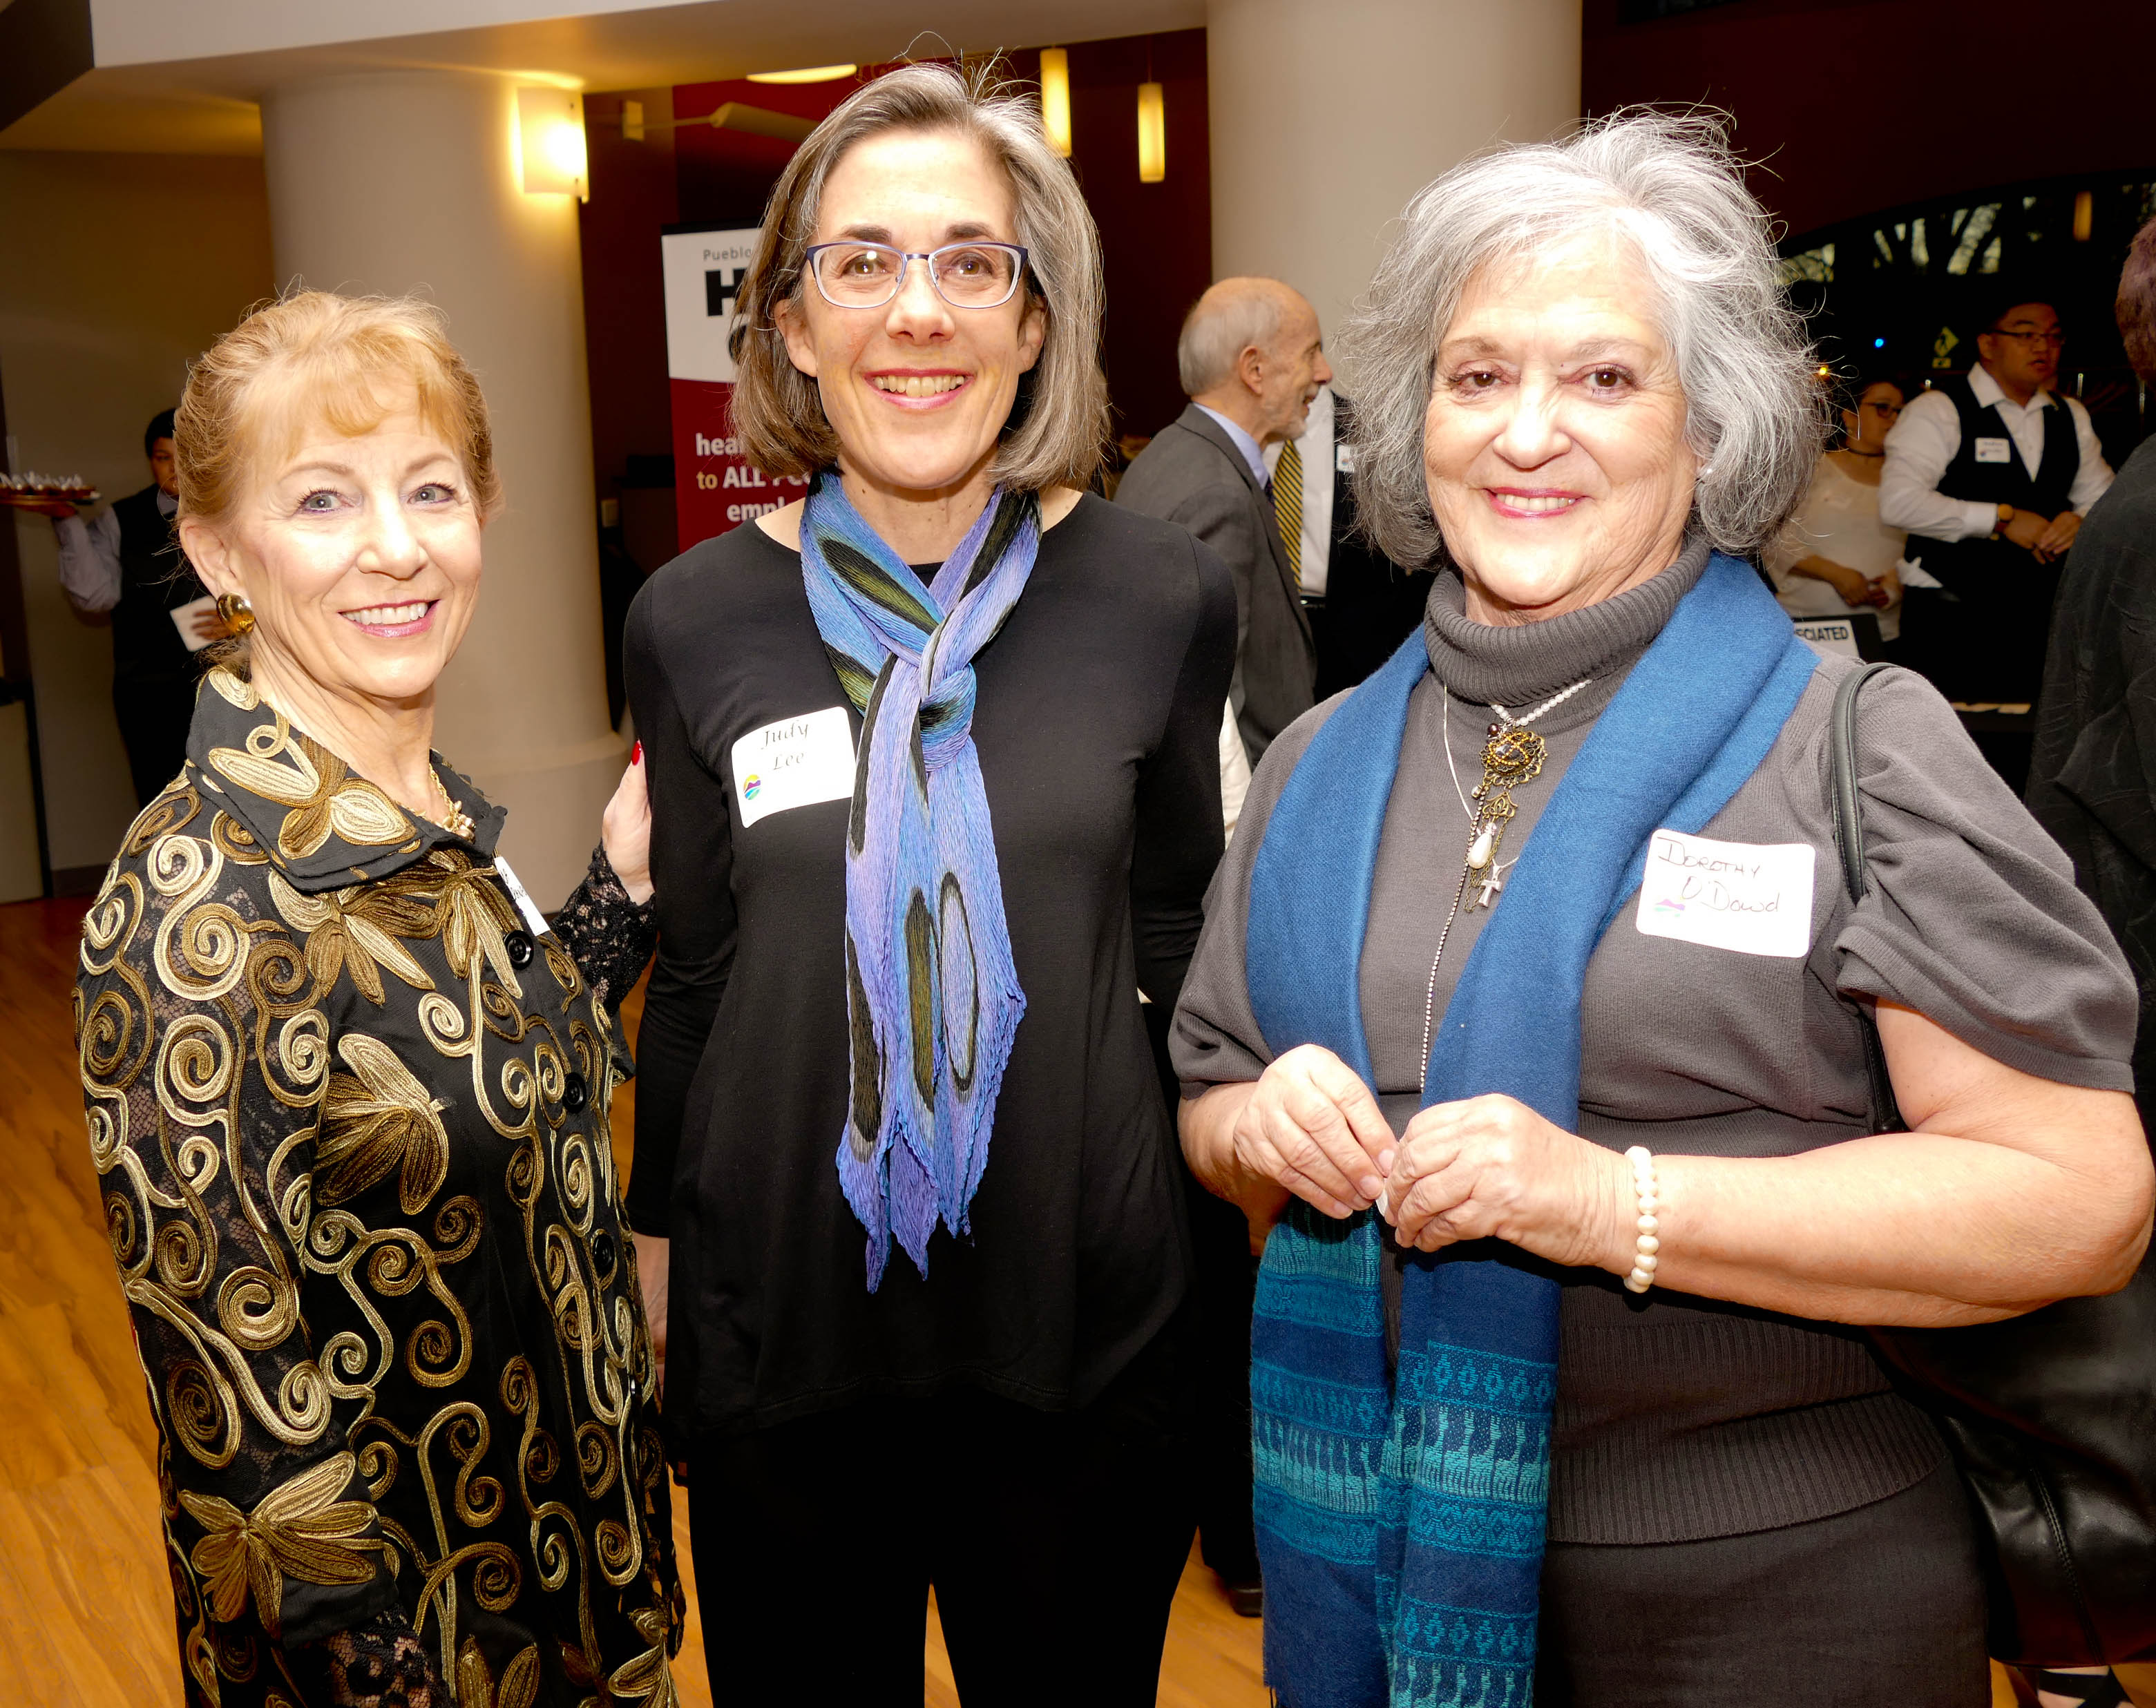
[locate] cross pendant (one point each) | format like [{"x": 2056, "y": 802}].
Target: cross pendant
[{"x": 1490, "y": 885}]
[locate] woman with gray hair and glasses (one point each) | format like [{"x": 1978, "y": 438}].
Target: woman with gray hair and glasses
[
  {"x": 935, "y": 795},
  {"x": 1530, "y": 1018}
]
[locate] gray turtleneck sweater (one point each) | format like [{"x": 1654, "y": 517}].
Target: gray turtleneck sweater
[{"x": 1680, "y": 1418}]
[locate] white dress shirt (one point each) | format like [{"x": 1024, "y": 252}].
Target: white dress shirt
[
  {"x": 1929, "y": 437},
  {"x": 89, "y": 556},
  {"x": 1319, "y": 461}
]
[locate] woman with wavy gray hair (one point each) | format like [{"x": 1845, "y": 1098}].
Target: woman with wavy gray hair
[
  {"x": 935, "y": 794},
  {"x": 1530, "y": 1018}
]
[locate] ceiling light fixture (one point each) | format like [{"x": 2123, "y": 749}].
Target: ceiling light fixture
[
  {"x": 808, "y": 74},
  {"x": 1055, "y": 99}
]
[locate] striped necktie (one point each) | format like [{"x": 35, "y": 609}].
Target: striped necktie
[{"x": 1287, "y": 503}]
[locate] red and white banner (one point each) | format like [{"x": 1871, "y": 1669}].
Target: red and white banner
[{"x": 714, "y": 488}]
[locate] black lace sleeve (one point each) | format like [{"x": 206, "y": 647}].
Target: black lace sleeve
[
  {"x": 611, "y": 936},
  {"x": 380, "y": 1663}
]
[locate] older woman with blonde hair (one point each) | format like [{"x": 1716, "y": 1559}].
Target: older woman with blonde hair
[
  {"x": 348, "y": 1093},
  {"x": 935, "y": 796},
  {"x": 1531, "y": 1015}
]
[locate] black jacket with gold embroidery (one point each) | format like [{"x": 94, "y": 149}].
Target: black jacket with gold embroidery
[{"x": 349, "y": 1118}]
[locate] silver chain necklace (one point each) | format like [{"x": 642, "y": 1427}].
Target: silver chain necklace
[{"x": 1512, "y": 756}]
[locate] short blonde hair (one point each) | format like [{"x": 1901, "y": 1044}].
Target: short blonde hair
[
  {"x": 1059, "y": 423},
  {"x": 317, "y": 356}
]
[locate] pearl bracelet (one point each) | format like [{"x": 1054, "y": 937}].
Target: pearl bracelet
[{"x": 1643, "y": 1258}]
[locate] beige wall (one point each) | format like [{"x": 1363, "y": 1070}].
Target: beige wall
[
  {"x": 396, "y": 182},
  {"x": 1327, "y": 115},
  {"x": 116, "y": 269}
]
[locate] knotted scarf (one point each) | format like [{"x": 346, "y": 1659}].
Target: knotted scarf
[
  {"x": 1401, "y": 1512},
  {"x": 932, "y": 999}
]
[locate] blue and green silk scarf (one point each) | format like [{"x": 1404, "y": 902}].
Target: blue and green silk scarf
[
  {"x": 933, "y": 998},
  {"x": 1401, "y": 1512}
]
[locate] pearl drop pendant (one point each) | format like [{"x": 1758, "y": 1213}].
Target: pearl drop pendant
[{"x": 1478, "y": 851}]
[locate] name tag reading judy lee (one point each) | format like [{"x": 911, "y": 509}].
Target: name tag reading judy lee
[
  {"x": 794, "y": 762},
  {"x": 1753, "y": 897}
]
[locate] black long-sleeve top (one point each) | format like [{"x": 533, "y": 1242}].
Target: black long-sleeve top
[{"x": 1097, "y": 723}]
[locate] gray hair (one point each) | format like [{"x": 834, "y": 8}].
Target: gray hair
[
  {"x": 1221, "y": 324},
  {"x": 1670, "y": 186},
  {"x": 1059, "y": 423}
]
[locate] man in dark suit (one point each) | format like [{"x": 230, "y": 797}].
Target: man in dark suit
[
  {"x": 1361, "y": 604},
  {"x": 1251, "y": 359}
]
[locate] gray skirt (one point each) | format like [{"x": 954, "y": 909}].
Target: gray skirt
[{"x": 1882, "y": 1604}]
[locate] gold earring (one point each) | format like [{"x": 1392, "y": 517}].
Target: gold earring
[{"x": 238, "y": 614}]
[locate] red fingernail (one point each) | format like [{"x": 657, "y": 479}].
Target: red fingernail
[{"x": 637, "y": 757}]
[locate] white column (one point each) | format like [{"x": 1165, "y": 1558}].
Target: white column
[
  {"x": 1325, "y": 116},
  {"x": 398, "y": 182}
]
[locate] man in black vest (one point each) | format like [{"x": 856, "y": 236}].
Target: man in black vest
[
  {"x": 128, "y": 561},
  {"x": 1991, "y": 475}
]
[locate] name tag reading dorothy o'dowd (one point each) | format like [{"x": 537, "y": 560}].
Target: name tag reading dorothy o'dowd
[
  {"x": 1753, "y": 897},
  {"x": 794, "y": 762}
]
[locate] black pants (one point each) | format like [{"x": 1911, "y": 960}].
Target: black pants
[
  {"x": 1882, "y": 1605},
  {"x": 153, "y": 714},
  {"x": 1053, "y": 1540}
]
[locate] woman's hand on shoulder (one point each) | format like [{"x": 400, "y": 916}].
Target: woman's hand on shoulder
[
  {"x": 1490, "y": 1167},
  {"x": 625, "y": 829},
  {"x": 1310, "y": 1124}
]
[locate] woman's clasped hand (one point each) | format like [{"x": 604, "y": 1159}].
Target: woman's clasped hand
[{"x": 1478, "y": 1168}]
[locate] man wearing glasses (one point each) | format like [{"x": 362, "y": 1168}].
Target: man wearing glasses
[{"x": 1991, "y": 474}]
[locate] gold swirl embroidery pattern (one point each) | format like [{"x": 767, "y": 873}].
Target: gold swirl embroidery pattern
[{"x": 309, "y": 1106}]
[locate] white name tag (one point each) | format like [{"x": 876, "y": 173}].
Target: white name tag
[
  {"x": 522, "y": 898},
  {"x": 1994, "y": 450},
  {"x": 1831, "y": 634},
  {"x": 794, "y": 762},
  {"x": 1343, "y": 458},
  {"x": 1753, "y": 897}
]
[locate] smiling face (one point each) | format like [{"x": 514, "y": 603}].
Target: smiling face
[
  {"x": 1554, "y": 444},
  {"x": 360, "y": 558},
  {"x": 917, "y": 391}
]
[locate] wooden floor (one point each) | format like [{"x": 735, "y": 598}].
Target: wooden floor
[{"x": 85, "y": 1609}]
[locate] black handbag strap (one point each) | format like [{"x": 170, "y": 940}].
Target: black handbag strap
[{"x": 1848, "y": 841}]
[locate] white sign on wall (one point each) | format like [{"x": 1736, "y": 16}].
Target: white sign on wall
[{"x": 703, "y": 271}]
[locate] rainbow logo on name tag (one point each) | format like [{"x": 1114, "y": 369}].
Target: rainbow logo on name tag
[{"x": 752, "y": 787}]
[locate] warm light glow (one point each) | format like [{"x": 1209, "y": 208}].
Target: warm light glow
[
  {"x": 808, "y": 74},
  {"x": 2084, "y": 215},
  {"x": 1153, "y": 134},
  {"x": 550, "y": 124},
  {"x": 1055, "y": 99}
]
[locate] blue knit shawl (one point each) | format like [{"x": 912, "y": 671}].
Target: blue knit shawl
[{"x": 1400, "y": 1514}]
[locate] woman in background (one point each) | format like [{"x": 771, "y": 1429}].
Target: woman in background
[{"x": 1836, "y": 558}]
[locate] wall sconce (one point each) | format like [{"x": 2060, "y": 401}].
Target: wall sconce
[
  {"x": 2084, "y": 215},
  {"x": 1055, "y": 99},
  {"x": 550, "y": 127},
  {"x": 806, "y": 74},
  {"x": 1153, "y": 134}
]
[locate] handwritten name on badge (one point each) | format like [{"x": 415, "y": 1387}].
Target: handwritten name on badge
[
  {"x": 794, "y": 762},
  {"x": 1993, "y": 450},
  {"x": 1753, "y": 897}
]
